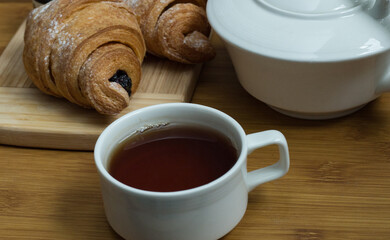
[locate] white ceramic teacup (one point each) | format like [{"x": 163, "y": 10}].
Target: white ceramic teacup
[{"x": 206, "y": 212}]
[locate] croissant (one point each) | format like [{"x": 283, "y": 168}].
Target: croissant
[
  {"x": 87, "y": 51},
  {"x": 175, "y": 29}
]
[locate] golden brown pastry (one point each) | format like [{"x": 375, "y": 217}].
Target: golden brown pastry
[
  {"x": 88, "y": 51},
  {"x": 175, "y": 29}
]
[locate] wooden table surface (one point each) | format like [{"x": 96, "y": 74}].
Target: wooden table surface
[{"x": 338, "y": 186}]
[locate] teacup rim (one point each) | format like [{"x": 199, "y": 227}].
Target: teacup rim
[{"x": 174, "y": 194}]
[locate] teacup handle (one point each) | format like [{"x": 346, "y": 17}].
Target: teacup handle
[{"x": 275, "y": 171}]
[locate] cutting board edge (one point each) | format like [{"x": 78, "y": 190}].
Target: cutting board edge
[{"x": 17, "y": 126}]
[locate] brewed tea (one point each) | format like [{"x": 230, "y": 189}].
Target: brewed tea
[{"x": 172, "y": 158}]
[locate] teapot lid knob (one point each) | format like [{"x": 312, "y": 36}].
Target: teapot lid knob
[{"x": 309, "y": 6}]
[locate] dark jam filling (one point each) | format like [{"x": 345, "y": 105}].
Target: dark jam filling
[
  {"x": 122, "y": 79},
  {"x": 43, "y": 1}
]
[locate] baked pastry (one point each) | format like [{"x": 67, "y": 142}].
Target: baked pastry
[
  {"x": 88, "y": 51},
  {"x": 175, "y": 29}
]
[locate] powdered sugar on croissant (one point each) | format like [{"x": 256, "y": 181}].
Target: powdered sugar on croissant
[{"x": 88, "y": 51}]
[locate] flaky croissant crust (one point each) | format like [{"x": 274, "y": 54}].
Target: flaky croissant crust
[
  {"x": 175, "y": 29},
  {"x": 73, "y": 48}
]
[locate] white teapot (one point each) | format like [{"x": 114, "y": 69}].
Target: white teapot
[{"x": 313, "y": 59}]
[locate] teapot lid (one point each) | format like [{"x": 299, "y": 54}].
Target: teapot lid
[{"x": 302, "y": 30}]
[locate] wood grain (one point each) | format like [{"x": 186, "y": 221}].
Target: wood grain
[
  {"x": 54, "y": 123},
  {"x": 338, "y": 186}
]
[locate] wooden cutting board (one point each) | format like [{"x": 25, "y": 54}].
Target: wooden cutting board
[{"x": 30, "y": 118}]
